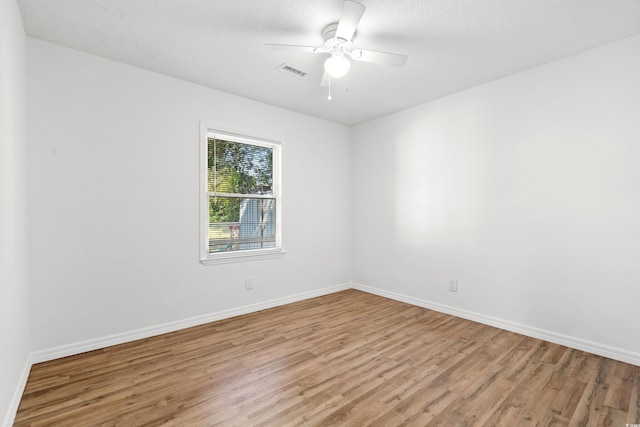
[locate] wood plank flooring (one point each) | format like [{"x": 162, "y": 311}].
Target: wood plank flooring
[{"x": 346, "y": 359}]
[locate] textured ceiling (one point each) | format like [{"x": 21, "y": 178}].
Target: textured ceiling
[{"x": 452, "y": 44}]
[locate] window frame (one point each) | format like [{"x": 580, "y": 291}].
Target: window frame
[{"x": 207, "y": 258}]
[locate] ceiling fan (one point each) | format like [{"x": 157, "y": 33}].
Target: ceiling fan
[{"x": 338, "y": 43}]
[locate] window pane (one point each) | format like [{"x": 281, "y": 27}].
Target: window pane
[
  {"x": 239, "y": 168},
  {"x": 237, "y": 224}
]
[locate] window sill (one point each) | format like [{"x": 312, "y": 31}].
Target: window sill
[{"x": 244, "y": 256}]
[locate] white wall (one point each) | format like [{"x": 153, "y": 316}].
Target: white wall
[
  {"x": 114, "y": 193},
  {"x": 14, "y": 310},
  {"x": 526, "y": 189}
]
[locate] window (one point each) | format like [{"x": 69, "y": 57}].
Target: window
[{"x": 241, "y": 203}]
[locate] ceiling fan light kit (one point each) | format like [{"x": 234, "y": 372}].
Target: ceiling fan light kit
[
  {"x": 337, "y": 66},
  {"x": 338, "y": 43}
]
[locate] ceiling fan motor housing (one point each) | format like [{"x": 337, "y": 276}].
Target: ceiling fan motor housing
[{"x": 335, "y": 45}]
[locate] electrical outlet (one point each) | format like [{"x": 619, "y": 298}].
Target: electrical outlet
[
  {"x": 453, "y": 285},
  {"x": 248, "y": 283}
]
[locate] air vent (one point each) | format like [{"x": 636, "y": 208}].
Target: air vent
[{"x": 291, "y": 71}]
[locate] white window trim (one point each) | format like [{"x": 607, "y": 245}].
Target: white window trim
[{"x": 246, "y": 255}]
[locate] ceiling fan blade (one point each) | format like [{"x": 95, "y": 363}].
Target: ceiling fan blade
[
  {"x": 325, "y": 80},
  {"x": 384, "y": 58},
  {"x": 293, "y": 48},
  {"x": 352, "y": 12}
]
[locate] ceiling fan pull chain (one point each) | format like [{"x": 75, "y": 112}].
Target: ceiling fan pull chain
[{"x": 329, "y": 97}]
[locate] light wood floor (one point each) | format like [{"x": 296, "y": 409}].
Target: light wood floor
[{"x": 349, "y": 359}]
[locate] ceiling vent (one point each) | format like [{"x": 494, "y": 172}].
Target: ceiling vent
[{"x": 291, "y": 71}]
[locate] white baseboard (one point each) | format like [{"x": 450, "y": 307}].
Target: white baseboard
[
  {"x": 97, "y": 343},
  {"x": 550, "y": 336},
  {"x": 17, "y": 394}
]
